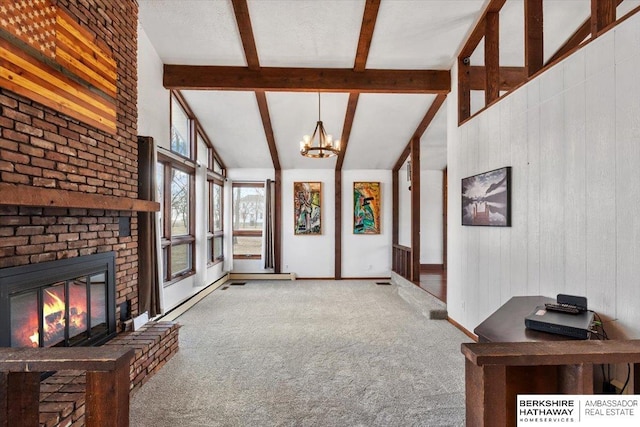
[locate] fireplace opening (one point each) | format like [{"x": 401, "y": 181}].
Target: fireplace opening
[{"x": 68, "y": 302}]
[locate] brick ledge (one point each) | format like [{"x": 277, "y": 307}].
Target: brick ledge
[{"x": 62, "y": 395}]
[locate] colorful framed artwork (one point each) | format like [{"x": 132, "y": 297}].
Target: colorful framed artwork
[
  {"x": 486, "y": 198},
  {"x": 307, "y": 207},
  {"x": 366, "y": 208}
]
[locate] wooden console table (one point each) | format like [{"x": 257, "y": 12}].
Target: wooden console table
[
  {"x": 511, "y": 360},
  {"x": 507, "y": 323}
]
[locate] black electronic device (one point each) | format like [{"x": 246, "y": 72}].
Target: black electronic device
[
  {"x": 572, "y": 300},
  {"x": 572, "y": 325}
]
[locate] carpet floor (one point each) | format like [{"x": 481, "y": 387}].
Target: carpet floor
[{"x": 309, "y": 353}]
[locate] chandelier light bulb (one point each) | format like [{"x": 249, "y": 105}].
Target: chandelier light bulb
[{"x": 322, "y": 147}]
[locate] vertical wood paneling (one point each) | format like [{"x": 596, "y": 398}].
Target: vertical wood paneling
[
  {"x": 575, "y": 206},
  {"x": 533, "y": 201},
  {"x": 574, "y": 69},
  {"x": 600, "y": 181},
  {"x": 628, "y": 191},
  {"x": 454, "y": 230},
  {"x": 576, "y": 128},
  {"x": 519, "y": 195},
  {"x": 552, "y": 194},
  {"x": 600, "y": 56},
  {"x": 504, "y": 154},
  {"x": 473, "y": 270},
  {"x": 551, "y": 84},
  {"x": 490, "y": 287}
]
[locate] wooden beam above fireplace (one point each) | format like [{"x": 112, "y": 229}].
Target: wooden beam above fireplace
[{"x": 24, "y": 195}]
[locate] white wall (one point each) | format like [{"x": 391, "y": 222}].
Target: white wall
[
  {"x": 153, "y": 98},
  {"x": 431, "y": 217},
  {"x": 153, "y": 120},
  {"x": 306, "y": 255},
  {"x": 431, "y": 238},
  {"x": 366, "y": 255},
  {"x": 572, "y": 137}
]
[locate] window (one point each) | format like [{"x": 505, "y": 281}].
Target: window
[
  {"x": 248, "y": 218},
  {"x": 176, "y": 182},
  {"x": 215, "y": 183},
  {"x": 217, "y": 167},
  {"x": 176, "y": 203},
  {"x": 215, "y": 236},
  {"x": 180, "y": 130}
]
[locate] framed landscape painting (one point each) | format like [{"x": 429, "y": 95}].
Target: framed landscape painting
[
  {"x": 307, "y": 204},
  {"x": 366, "y": 208},
  {"x": 486, "y": 198}
]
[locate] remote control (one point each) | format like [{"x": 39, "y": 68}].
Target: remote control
[{"x": 564, "y": 308}]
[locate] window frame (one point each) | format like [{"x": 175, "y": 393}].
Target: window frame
[
  {"x": 179, "y": 99},
  {"x": 212, "y": 233},
  {"x": 213, "y": 178},
  {"x": 167, "y": 240},
  {"x": 251, "y": 233}
]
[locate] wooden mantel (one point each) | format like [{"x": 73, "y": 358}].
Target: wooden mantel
[{"x": 24, "y": 195}]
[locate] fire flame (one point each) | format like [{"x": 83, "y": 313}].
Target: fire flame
[{"x": 53, "y": 319}]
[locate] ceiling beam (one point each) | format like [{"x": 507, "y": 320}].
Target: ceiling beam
[
  {"x": 420, "y": 130},
  {"x": 261, "y": 97},
  {"x": 428, "y": 118},
  {"x": 364, "y": 44},
  {"x": 346, "y": 128},
  {"x": 369, "y": 19},
  {"x": 243, "y": 21},
  {"x": 477, "y": 34},
  {"x": 203, "y": 77}
]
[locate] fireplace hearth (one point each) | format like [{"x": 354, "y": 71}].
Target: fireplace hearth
[{"x": 69, "y": 302}]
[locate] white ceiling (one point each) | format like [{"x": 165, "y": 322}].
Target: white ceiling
[{"x": 409, "y": 35}]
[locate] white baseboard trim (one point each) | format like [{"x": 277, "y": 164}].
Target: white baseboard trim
[
  {"x": 186, "y": 305},
  {"x": 262, "y": 276}
]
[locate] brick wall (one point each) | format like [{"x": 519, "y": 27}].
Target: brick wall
[{"x": 43, "y": 148}]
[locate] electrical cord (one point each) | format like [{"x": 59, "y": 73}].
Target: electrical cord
[{"x": 598, "y": 323}]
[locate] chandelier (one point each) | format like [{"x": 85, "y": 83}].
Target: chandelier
[{"x": 323, "y": 146}]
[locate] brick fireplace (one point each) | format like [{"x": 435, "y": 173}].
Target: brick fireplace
[
  {"x": 69, "y": 302},
  {"x": 65, "y": 185},
  {"x": 69, "y": 190}
]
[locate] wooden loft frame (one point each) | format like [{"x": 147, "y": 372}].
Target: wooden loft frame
[{"x": 492, "y": 78}]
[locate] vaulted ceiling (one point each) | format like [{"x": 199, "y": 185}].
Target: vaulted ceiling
[{"x": 251, "y": 70}]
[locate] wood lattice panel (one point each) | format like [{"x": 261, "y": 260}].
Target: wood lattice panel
[{"x": 51, "y": 59}]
